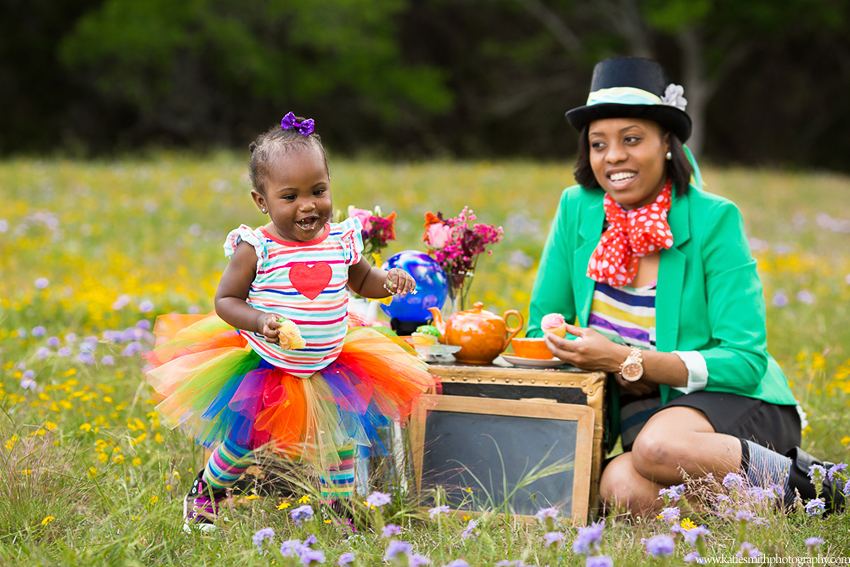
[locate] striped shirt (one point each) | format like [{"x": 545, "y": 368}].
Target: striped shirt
[
  {"x": 304, "y": 282},
  {"x": 626, "y": 315}
]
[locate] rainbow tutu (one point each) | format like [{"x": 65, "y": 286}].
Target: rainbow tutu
[{"x": 215, "y": 386}]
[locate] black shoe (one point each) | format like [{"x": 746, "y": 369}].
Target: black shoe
[
  {"x": 798, "y": 478},
  {"x": 200, "y": 512}
]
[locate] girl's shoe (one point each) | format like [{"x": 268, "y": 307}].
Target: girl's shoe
[{"x": 201, "y": 506}]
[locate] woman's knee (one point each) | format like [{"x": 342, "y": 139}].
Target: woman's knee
[{"x": 621, "y": 486}]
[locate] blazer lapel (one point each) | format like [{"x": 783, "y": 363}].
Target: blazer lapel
[
  {"x": 671, "y": 277},
  {"x": 589, "y": 233}
]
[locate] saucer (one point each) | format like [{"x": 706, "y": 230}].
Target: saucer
[{"x": 533, "y": 362}]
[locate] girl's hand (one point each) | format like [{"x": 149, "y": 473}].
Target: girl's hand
[
  {"x": 268, "y": 325},
  {"x": 590, "y": 350},
  {"x": 399, "y": 282}
]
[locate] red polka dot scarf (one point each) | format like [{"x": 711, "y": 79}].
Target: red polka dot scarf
[{"x": 630, "y": 235}]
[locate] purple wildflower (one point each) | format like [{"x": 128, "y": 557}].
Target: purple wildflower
[
  {"x": 38, "y": 331},
  {"x": 42, "y": 283},
  {"x": 778, "y": 491},
  {"x": 291, "y": 548},
  {"x": 553, "y": 537},
  {"x": 107, "y": 360},
  {"x": 395, "y": 547},
  {"x": 312, "y": 556},
  {"x": 759, "y": 494},
  {"x": 840, "y": 469},
  {"x": 64, "y": 351},
  {"x": 733, "y": 481},
  {"x": 131, "y": 349},
  {"x": 693, "y": 557},
  {"x": 302, "y": 514},
  {"x": 53, "y": 342},
  {"x": 673, "y": 493},
  {"x": 121, "y": 302},
  {"x": 780, "y": 299},
  {"x": 599, "y": 561},
  {"x": 86, "y": 358},
  {"x": 669, "y": 514},
  {"x": 506, "y": 563},
  {"x": 311, "y": 539},
  {"x": 346, "y": 558},
  {"x": 378, "y": 499},
  {"x": 693, "y": 534},
  {"x": 468, "y": 531},
  {"x": 27, "y": 382},
  {"x": 146, "y": 306},
  {"x": 805, "y": 296},
  {"x": 416, "y": 560},
  {"x": 42, "y": 352},
  {"x": 143, "y": 324},
  {"x": 814, "y": 542},
  {"x": 661, "y": 545},
  {"x": 815, "y": 507},
  {"x": 71, "y": 338},
  {"x": 390, "y": 530},
  {"x": 744, "y": 516},
  {"x": 544, "y": 513},
  {"x": 458, "y": 563},
  {"x": 439, "y": 510},
  {"x": 748, "y": 550},
  {"x": 262, "y": 535},
  {"x": 588, "y": 539}
]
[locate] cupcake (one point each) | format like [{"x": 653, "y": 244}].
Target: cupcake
[
  {"x": 289, "y": 336},
  {"x": 428, "y": 332},
  {"x": 554, "y": 323}
]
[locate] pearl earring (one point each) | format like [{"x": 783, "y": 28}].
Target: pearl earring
[
  {"x": 265, "y": 210},
  {"x": 669, "y": 156}
]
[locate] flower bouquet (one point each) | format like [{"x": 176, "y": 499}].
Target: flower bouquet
[
  {"x": 455, "y": 243},
  {"x": 377, "y": 231}
]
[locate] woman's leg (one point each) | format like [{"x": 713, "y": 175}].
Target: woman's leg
[{"x": 622, "y": 487}]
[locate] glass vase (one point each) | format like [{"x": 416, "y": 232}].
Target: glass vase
[{"x": 459, "y": 284}]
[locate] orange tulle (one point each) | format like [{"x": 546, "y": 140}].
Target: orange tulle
[{"x": 215, "y": 386}]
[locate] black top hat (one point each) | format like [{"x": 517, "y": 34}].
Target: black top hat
[{"x": 633, "y": 87}]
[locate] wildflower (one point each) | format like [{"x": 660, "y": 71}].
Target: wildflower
[
  {"x": 692, "y": 535},
  {"x": 544, "y": 513},
  {"x": 41, "y": 283},
  {"x": 553, "y": 537},
  {"x": 599, "y": 561},
  {"x": 48, "y": 519},
  {"x": 439, "y": 510},
  {"x": 669, "y": 515},
  {"x": 748, "y": 550},
  {"x": 304, "y": 499},
  {"x": 42, "y": 352},
  {"x": 378, "y": 499},
  {"x": 744, "y": 516},
  {"x": 262, "y": 535},
  {"x": 458, "y": 563},
  {"x": 693, "y": 557},
  {"x": 312, "y": 557},
  {"x": 346, "y": 558},
  {"x": 673, "y": 493},
  {"x": 506, "y": 563},
  {"x": 817, "y": 473},
  {"x": 121, "y": 302},
  {"x": 302, "y": 514},
  {"x": 733, "y": 481},
  {"x": 143, "y": 324},
  {"x": 687, "y": 524},
  {"x": 64, "y": 351},
  {"x": 146, "y": 306},
  {"x": 588, "y": 539},
  {"x": 311, "y": 539},
  {"x": 815, "y": 507},
  {"x": 38, "y": 331},
  {"x": 291, "y": 548},
  {"x": 137, "y": 461},
  {"x": 85, "y": 358},
  {"x": 107, "y": 360},
  {"x": 27, "y": 382},
  {"x": 92, "y": 472},
  {"x": 839, "y": 470},
  {"x": 131, "y": 349},
  {"x": 469, "y": 530},
  {"x": 780, "y": 299},
  {"x": 814, "y": 542},
  {"x": 778, "y": 491},
  {"x": 395, "y": 547},
  {"x": 661, "y": 545},
  {"x": 390, "y": 530},
  {"x": 417, "y": 560},
  {"x": 284, "y": 506},
  {"x": 53, "y": 342},
  {"x": 805, "y": 296}
]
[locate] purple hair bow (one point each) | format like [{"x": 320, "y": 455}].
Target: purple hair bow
[{"x": 289, "y": 122}]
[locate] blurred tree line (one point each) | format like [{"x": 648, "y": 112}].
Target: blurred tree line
[{"x": 766, "y": 80}]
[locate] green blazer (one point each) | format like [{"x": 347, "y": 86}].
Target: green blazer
[{"x": 709, "y": 296}]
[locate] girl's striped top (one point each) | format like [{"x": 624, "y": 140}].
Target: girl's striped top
[
  {"x": 626, "y": 315},
  {"x": 304, "y": 282}
]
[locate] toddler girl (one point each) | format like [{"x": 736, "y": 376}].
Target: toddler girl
[{"x": 277, "y": 366}]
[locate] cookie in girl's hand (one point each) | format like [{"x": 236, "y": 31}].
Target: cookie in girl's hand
[
  {"x": 554, "y": 323},
  {"x": 289, "y": 335}
]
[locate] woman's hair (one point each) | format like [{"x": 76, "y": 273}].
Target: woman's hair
[
  {"x": 679, "y": 169},
  {"x": 271, "y": 145}
]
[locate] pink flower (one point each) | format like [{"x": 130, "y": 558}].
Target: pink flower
[
  {"x": 438, "y": 234},
  {"x": 364, "y": 216}
]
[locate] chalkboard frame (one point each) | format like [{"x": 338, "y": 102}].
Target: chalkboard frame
[{"x": 583, "y": 415}]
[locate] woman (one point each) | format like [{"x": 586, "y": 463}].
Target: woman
[{"x": 659, "y": 276}]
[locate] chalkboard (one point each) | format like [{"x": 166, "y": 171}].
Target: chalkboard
[{"x": 479, "y": 450}]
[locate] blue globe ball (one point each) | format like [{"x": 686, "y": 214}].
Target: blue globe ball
[{"x": 431, "y": 286}]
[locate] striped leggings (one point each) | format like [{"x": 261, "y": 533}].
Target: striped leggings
[{"x": 230, "y": 459}]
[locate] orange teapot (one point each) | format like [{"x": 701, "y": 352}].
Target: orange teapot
[{"x": 482, "y": 335}]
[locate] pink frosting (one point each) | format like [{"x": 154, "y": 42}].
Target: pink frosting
[{"x": 552, "y": 321}]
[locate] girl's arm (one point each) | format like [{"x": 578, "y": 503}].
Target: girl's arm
[
  {"x": 233, "y": 290},
  {"x": 375, "y": 283}
]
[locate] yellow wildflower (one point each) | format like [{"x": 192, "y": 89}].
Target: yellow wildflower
[
  {"x": 136, "y": 462},
  {"x": 103, "y": 457},
  {"x": 284, "y": 505},
  {"x": 845, "y": 441},
  {"x": 26, "y": 472},
  {"x": 159, "y": 438},
  {"x": 43, "y": 396},
  {"x": 86, "y": 427},
  {"x": 154, "y": 499},
  {"x": 118, "y": 459},
  {"x": 47, "y": 520},
  {"x": 71, "y": 372},
  {"x": 251, "y": 497},
  {"x": 92, "y": 472},
  {"x": 304, "y": 499},
  {"x": 50, "y": 426},
  {"x": 688, "y": 524}
]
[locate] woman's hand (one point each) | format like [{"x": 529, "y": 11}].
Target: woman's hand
[
  {"x": 399, "y": 282},
  {"x": 268, "y": 325}
]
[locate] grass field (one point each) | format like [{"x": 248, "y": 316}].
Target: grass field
[{"x": 91, "y": 252}]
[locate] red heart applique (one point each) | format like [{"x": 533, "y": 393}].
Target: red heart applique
[{"x": 310, "y": 279}]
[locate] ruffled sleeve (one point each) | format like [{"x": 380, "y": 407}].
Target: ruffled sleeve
[
  {"x": 352, "y": 240},
  {"x": 246, "y": 234}
]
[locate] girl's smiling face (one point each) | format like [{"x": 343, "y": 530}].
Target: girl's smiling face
[
  {"x": 297, "y": 195},
  {"x": 627, "y": 156}
]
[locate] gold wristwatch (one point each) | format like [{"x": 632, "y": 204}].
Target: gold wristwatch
[{"x": 632, "y": 367}]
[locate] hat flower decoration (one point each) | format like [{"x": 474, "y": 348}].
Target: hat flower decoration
[{"x": 674, "y": 95}]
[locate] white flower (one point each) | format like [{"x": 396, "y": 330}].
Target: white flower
[{"x": 674, "y": 96}]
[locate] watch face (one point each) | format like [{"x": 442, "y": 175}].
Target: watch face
[{"x": 632, "y": 372}]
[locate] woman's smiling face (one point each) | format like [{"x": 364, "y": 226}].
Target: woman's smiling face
[{"x": 627, "y": 156}]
